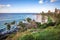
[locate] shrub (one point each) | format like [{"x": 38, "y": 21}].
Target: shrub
[
  {"x": 49, "y": 33},
  {"x": 38, "y": 24},
  {"x": 44, "y": 25},
  {"x": 58, "y": 26},
  {"x": 27, "y": 37}
]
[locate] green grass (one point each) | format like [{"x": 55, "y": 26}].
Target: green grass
[{"x": 50, "y": 33}]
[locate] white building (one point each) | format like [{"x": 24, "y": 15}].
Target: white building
[{"x": 40, "y": 18}]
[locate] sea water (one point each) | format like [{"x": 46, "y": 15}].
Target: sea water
[{"x": 9, "y": 17}]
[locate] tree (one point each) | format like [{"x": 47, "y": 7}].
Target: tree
[
  {"x": 21, "y": 25},
  {"x": 28, "y": 19},
  {"x": 49, "y": 20},
  {"x": 38, "y": 24},
  {"x": 8, "y": 26},
  {"x": 57, "y": 19},
  {"x": 12, "y": 23},
  {"x": 43, "y": 17},
  {"x": 5, "y": 23},
  {"x": 34, "y": 24}
]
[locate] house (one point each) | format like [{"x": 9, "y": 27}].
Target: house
[{"x": 40, "y": 18}]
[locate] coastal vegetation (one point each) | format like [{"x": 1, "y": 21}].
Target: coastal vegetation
[{"x": 32, "y": 30}]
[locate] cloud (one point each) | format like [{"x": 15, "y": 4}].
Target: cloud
[
  {"x": 8, "y": 5},
  {"x": 41, "y": 1},
  {"x": 4, "y": 6},
  {"x": 52, "y": 0}
]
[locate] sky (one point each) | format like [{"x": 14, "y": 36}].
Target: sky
[{"x": 28, "y": 6}]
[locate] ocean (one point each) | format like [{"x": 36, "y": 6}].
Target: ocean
[{"x": 9, "y": 17}]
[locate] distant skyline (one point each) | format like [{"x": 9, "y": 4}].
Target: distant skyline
[{"x": 28, "y": 6}]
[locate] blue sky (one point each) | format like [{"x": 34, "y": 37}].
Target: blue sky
[{"x": 28, "y": 6}]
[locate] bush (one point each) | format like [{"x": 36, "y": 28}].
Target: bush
[
  {"x": 44, "y": 25},
  {"x": 51, "y": 24},
  {"x": 27, "y": 37},
  {"x": 38, "y": 24},
  {"x": 49, "y": 34},
  {"x": 58, "y": 26}
]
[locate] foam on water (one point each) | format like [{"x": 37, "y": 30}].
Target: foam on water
[{"x": 9, "y": 17}]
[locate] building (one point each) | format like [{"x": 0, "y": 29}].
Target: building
[
  {"x": 40, "y": 18},
  {"x": 57, "y": 11},
  {"x": 49, "y": 11}
]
